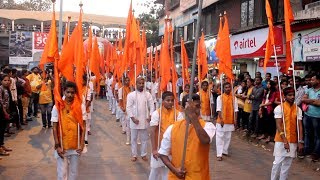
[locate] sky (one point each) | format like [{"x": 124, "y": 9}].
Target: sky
[{"x": 117, "y": 8}]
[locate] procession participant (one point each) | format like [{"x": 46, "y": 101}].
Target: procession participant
[
  {"x": 86, "y": 101},
  {"x": 154, "y": 91},
  {"x": 139, "y": 108},
  {"x": 114, "y": 96},
  {"x": 117, "y": 86},
  {"x": 167, "y": 115},
  {"x": 124, "y": 119},
  {"x": 46, "y": 102},
  {"x": 206, "y": 101},
  {"x": 93, "y": 87},
  {"x": 199, "y": 138},
  {"x": 35, "y": 82},
  {"x": 286, "y": 140},
  {"x": 109, "y": 81},
  {"x": 185, "y": 92},
  {"x": 68, "y": 147},
  {"x": 227, "y": 108}
]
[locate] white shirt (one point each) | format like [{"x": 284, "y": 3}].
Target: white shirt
[
  {"x": 109, "y": 83},
  {"x": 154, "y": 90},
  {"x": 139, "y": 105},
  {"x": 279, "y": 146},
  {"x": 155, "y": 118},
  {"x": 165, "y": 147},
  {"x": 91, "y": 87},
  {"x": 226, "y": 127}
]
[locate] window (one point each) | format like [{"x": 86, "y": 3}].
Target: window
[
  {"x": 247, "y": 9},
  {"x": 190, "y": 32},
  {"x": 179, "y": 33}
]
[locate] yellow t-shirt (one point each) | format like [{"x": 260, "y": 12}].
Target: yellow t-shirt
[
  {"x": 35, "y": 80},
  {"x": 45, "y": 96}
]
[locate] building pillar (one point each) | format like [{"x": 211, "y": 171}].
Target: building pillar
[
  {"x": 12, "y": 25},
  {"x": 42, "y": 26}
]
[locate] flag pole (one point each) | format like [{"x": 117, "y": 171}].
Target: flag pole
[
  {"x": 160, "y": 121},
  {"x": 192, "y": 81},
  {"x": 295, "y": 89},
  {"x": 280, "y": 91}
]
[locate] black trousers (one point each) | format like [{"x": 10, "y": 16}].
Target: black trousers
[
  {"x": 33, "y": 105},
  {"x": 20, "y": 110},
  {"x": 3, "y": 126}
]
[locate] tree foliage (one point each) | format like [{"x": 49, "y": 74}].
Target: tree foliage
[
  {"x": 149, "y": 19},
  {"x": 28, "y": 5}
]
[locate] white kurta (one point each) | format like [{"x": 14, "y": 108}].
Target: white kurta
[
  {"x": 154, "y": 91},
  {"x": 109, "y": 82},
  {"x": 226, "y": 127},
  {"x": 139, "y": 105}
]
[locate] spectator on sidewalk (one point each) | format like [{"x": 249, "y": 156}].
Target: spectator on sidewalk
[
  {"x": 267, "y": 79},
  {"x": 266, "y": 108},
  {"x": 45, "y": 102},
  {"x": 26, "y": 95},
  {"x": 238, "y": 92},
  {"x": 286, "y": 140},
  {"x": 256, "y": 97},
  {"x": 35, "y": 82},
  {"x": 247, "y": 108},
  {"x": 311, "y": 119}
]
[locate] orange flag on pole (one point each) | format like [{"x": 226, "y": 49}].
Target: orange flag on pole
[
  {"x": 185, "y": 63},
  {"x": 165, "y": 62},
  {"x": 156, "y": 62},
  {"x": 218, "y": 48},
  {"x": 270, "y": 40},
  {"x": 288, "y": 18},
  {"x": 95, "y": 59},
  {"x": 202, "y": 58},
  {"x": 66, "y": 35},
  {"x": 51, "y": 48},
  {"x": 225, "y": 60}
]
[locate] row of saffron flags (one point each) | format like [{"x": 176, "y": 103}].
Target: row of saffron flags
[{"x": 270, "y": 47}]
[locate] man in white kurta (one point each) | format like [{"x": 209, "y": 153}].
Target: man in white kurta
[
  {"x": 154, "y": 91},
  {"x": 116, "y": 96},
  {"x": 124, "y": 118},
  {"x": 139, "y": 108},
  {"x": 109, "y": 81},
  {"x": 225, "y": 121}
]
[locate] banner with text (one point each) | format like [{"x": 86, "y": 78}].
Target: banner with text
[
  {"x": 306, "y": 45},
  {"x": 20, "y": 47}
]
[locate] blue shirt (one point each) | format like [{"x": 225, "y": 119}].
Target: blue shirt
[
  {"x": 313, "y": 111},
  {"x": 264, "y": 84}
]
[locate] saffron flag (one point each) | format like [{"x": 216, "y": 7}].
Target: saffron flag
[
  {"x": 270, "y": 40},
  {"x": 51, "y": 48},
  {"x": 165, "y": 62},
  {"x": 288, "y": 18},
  {"x": 95, "y": 59},
  {"x": 225, "y": 60},
  {"x": 185, "y": 63},
  {"x": 202, "y": 58}
]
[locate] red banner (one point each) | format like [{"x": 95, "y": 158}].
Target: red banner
[
  {"x": 272, "y": 62},
  {"x": 40, "y": 40}
]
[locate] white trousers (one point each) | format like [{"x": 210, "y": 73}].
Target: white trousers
[
  {"x": 118, "y": 111},
  {"x": 205, "y": 118},
  {"x": 110, "y": 102},
  {"x": 114, "y": 106},
  {"x": 160, "y": 173},
  {"x": 282, "y": 164},
  {"x": 143, "y": 133},
  {"x": 223, "y": 139},
  {"x": 67, "y": 168},
  {"x": 88, "y": 126}
]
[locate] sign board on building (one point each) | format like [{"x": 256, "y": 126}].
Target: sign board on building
[
  {"x": 252, "y": 44},
  {"x": 39, "y": 41},
  {"x": 306, "y": 45},
  {"x": 20, "y": 46}
]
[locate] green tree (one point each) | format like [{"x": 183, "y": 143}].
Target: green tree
[
  {"x": 28, "y": 5},
  {"x": 149, "y": 20}
]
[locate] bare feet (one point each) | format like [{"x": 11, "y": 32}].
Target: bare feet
[
  {"x": 134, "y": 159},
  {"x": 219, "y": 158},
  {"x": 144, "y": 158}
]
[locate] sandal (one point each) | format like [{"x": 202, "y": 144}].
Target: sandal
[
  {"x": 6, "y": 148},
  {"x": 144, "y": 158},
  {"x": 134, "y": 159},
  {"x": 4, "y": 153},
  {"x": 219, "y": 158}
]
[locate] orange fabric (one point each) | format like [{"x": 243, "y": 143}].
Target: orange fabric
[
  {"x": 185, "y": 63},
  {"x": 125, "y": 91},
  {"x": 95, "y": 60},
  {"x": 270, "y": 40},
  {"x": 197, "y": 155},
  {"x": 66, "y": 35},
  {"x": 165, "y": 62},
  {"x": 225, "y": 60},
  {"x": 167, "y": 119},
  {"x": 70, "y": 129},
  {"x": 288, "y": 18},
  {"x": 290, "y": 118},
  {"x": 156, "y": 64},
  {"x": 202, "y": 58},
  {"x": 227, "y": 109},
  {"x": 205, "y": 103},
  {"x": 89, "y": 48},
  {"x": 51, "y": 48}
]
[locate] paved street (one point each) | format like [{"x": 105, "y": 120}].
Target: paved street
[{"x": 109, "y": 158}]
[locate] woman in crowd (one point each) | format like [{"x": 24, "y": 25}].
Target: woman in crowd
[
  {"x": 238, "y": 92},
  {"x": 266, "y": 110},
  {"x": 247, "y": 107}
]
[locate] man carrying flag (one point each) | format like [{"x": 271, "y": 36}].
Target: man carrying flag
[
  {"x": 161, "y": 119},
  {"x": 68, "y": 137},
  {"x": 124, "y": 119},
  {"x": 206, "y": 99},
  {"x": 199, "y": 138}
]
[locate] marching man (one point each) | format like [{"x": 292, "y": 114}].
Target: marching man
[
  {"x": 109, "y": 81},
  {"x": 69, "y": 144},
  {"x": 289, "y": 136},
  {"x": 139, "y": 108},
  {"x": 124, "y": 119},
  {"x": 206, "y": 101},
  {"x": 157, "y": 125},
  {"x": 227, "y": 108},
  {"x": 199, "y": 138}
]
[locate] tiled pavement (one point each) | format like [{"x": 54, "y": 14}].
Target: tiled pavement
[{"x": 109, "y": 158}]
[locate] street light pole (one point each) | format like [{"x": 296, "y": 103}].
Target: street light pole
[{"x": 60, "y": 25}]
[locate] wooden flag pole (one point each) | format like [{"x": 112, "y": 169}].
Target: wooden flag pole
[
  {"x": 280, "y": 91},
  {"x": 192, "y": 81}
]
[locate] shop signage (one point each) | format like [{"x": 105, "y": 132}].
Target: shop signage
[
  {"x": 306, "y": 45},
  {"x": 39, "y": 40},
  {"x": 272, "y": 62},
  {"x": 253, "y": 44}
]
